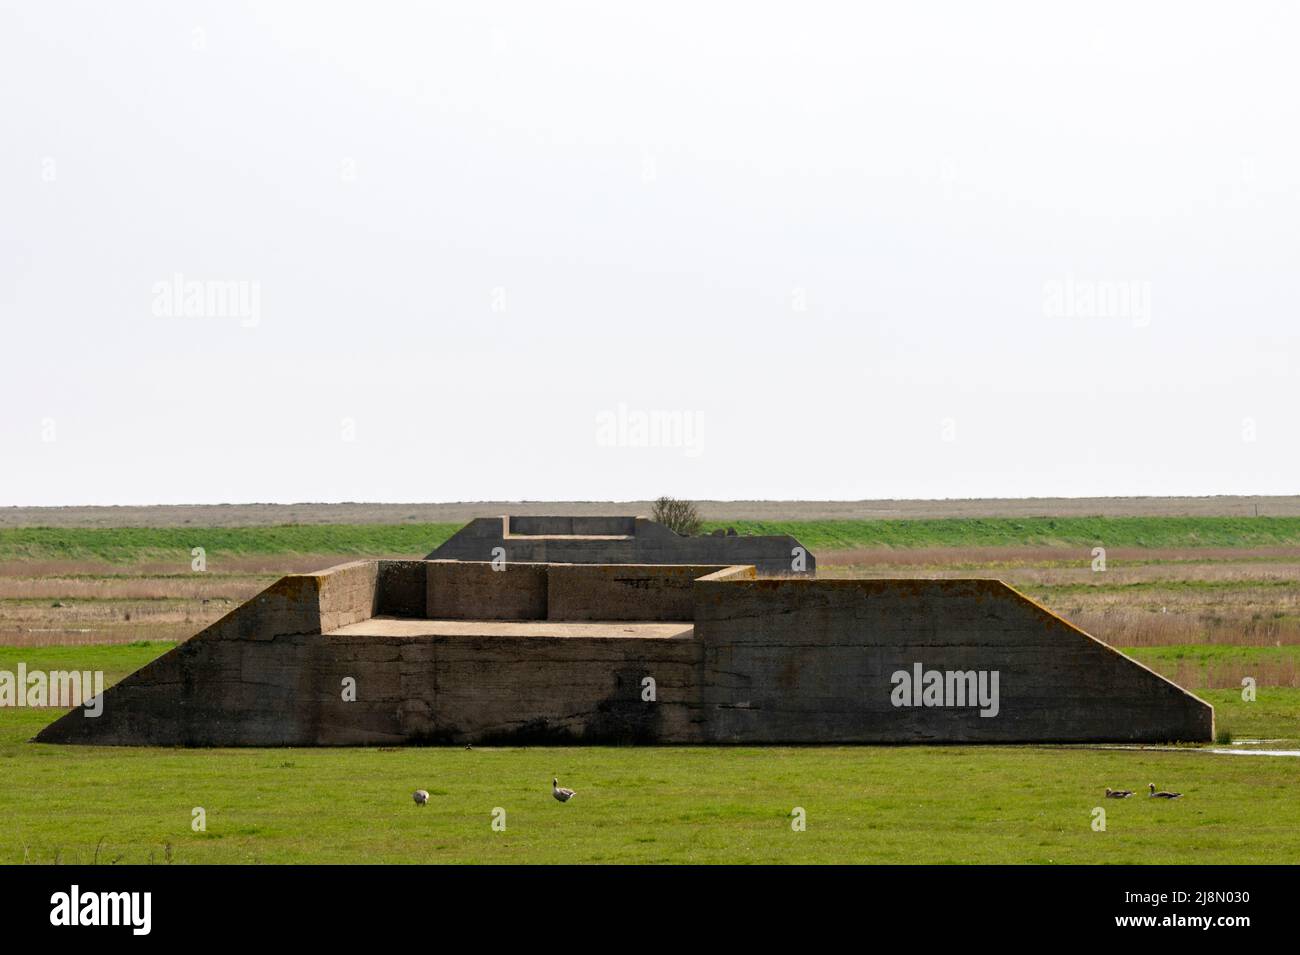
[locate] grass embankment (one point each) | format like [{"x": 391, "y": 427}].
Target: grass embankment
[
  {"x": 139, "y": 544},
  {"x": 135, "y": 544},
  {"x": 1135, "y": 532}
]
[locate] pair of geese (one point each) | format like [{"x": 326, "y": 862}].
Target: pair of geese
[
  {"x": 1153, "y": 794},
  {"x": 421, "y": 796}
]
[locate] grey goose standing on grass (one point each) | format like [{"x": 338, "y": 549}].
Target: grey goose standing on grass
[{"x": 559, "y": 792}]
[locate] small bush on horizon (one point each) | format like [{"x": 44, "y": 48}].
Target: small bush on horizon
[{"x": 682, "y": 517}]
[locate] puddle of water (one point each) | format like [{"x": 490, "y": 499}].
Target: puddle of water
[
  {"x": 1240, "y": 749},
  {"x": 1256, "y": 752},
  {"x": 1257, "y": 742}
]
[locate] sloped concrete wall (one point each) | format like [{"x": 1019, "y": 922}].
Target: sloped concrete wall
[
  {"x": 814, "y": 661},
  {"x": 552, "y": 540},
  {"x": 252, "y": 678}
]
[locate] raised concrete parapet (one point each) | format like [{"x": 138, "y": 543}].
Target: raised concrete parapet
[{"x": 618, "y": 540}]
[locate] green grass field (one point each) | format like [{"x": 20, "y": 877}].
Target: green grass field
[
  {"x": 1115, "y": 532},
  {"x": 125, "y": 544},
  {"x": 863, "y": 804},
  {"x": 1206, "y": 622}
]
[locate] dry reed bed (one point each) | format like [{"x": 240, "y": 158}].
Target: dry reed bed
[
  {"x": 197, "y": 588},
  {"x": 1044, "y": 555},
  {"x": 1126, "y": 628},
  {"x": 217, "y": 565},
  {"x": 83, "y": 636},
  {"x": 111, "y": 621}
]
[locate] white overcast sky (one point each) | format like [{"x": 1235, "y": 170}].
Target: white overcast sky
[{"x": 828, "y": 237}]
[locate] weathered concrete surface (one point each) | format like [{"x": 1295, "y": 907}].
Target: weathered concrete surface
[
  {"x": 621, "y": 592},
  {"x": 271, "y": 672},
  {"x": 506, "y": 689},
  {"x": 473, "y": 590},
  {"x": 733, "y": 659},
  {"x": 402, "y": 587},
  {"x": 812, "y": 661},
  {"x": 249, "y": 679},
  {"x": 477, "y": 591},
  {"x": 618, "y": 540},
  {"x": 623, "y": 630}
]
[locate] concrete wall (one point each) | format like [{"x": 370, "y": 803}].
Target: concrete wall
[
  {"x": 471, "y": 590},
  {"x": 616, "y": 540},
  {"x": 402, "y": 587},
  {"x": 613, "y": 592},
  {"x": 768, "y": 661},
  {"x": 270, "y": 674},
  {"x": 812, "y": 661},
  {"x": 529, "y": 526},
  {"x": 287, "y": 692},
  {"x": 475, "y": 591},
  {"x": 550, "y": 690},
  {"x": 252, "y": 678}
]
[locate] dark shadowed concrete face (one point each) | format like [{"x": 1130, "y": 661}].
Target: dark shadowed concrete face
[
  {"x": 618, "y": 540},
  {"x": 381, "y": 652},
  {"x": 920, "y": 661}
]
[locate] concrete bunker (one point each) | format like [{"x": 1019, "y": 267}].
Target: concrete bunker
[{"x": 455, "y": 652}]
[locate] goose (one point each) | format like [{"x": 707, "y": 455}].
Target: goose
[
  {"x": 559, "y": 792},
  {"x": 1118, "y": 793},
  {"x": 1162, "y": 794},
  {"x": 421, "y": 796}
]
